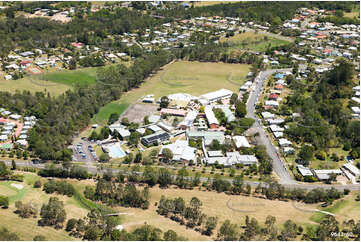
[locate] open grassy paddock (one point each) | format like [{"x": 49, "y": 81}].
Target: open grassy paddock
[
  {"x": 54, "y": 82},
  {"x": 253, "y": 41},
  {"x": 208, "y": 3},
  {"x": 234, "y": 208},
  {"x": 345, "y": 209},
  {"x": 71, "y": 77},
  {"x": 28, "y": 228},
  {"x": 194, "y": 78},
  {"x": 28, "y": 84}
]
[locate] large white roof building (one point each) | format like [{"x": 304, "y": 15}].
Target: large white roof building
[
  {"x": 241, "y": 141},
  {"x": 211, "y": 118},
  {"x": 217, "y": 95},
  {"x": 181, "y": 151}
]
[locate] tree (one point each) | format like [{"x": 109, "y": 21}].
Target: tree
[
  {"x": 150, "y": 176},
  {"x": 4, "y": 202},
  {"x": 37, "y": 184},
  {"x": 252, "y": 228},
  {"x": 215, "y": 145},
  {"x": 13, "y": 165},
  {"x": 170, "y": 235},
  {"x": 306, "y": 152},
  {"x": 134, "y": 138},
  {"x": 164, "y": 102},
  {"x": 25, "y": 210},
  {"x": 228, "y": 231},
  {"x": 146, "y": 120},
  {"x": 104, "y": 157},
  {"x": 4, "y": 171},
  {"x": 113, "y": 117},
  {"x": 234, "y": 98},
  {"x": 6, "y": 235},
  {"x": 125, "y": 121},
  {"x": 167, "y": 154},
  {"x": 241, "y": 110},
  {"x": 138, "y": 157},
  {"x": 53, "y": 213},
  {"x": 71, "y": 224},
  {"x": 39, "y": 238},
  {"x": 164, "y": 177},
  {"x": 92, "y": 233},
  {"x": 211, "y": 224},
  {"x": 72, "y": 64},
  {"x": 289, "y": 231}
]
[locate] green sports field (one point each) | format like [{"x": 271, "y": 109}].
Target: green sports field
[
  {"x": 71, "y": 78},
  {"x": 194, "y": 78}
]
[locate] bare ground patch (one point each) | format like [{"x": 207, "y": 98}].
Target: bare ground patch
[{"x": 137, "y": 112}]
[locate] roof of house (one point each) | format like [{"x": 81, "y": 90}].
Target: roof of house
[
  {"x": 215, "y": 153},
  {"x": 217, "y": 94},
  {"x": 273, "y": 96},
  {"x": 267, "y": 115},
  {"x": 171, "y": 111},
  {"x": 154, "y": 128},
  {"x": 284, "y": 142},
  {"x": 211, "y": 118},
  {"x": 241, "y": 141},
  {"x": 181, "y": 150},
  {"x": 305, "y": 171},
  {"x": 227, "y": 112},
  {"x": 352, "y": 168}
]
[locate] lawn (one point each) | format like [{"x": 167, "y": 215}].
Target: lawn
[
  {"x": 344, "y": 209},
  {"x": 253, "y": 41},
  {"x": 208, "y": 3},
  {"x": 194, "y": 78},
  {"x": 27, "y": 84},
  {"x": 71, "y": 78},
  {"x": 107, "y": 110}
]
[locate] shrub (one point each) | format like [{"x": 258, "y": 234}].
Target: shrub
[
  {"x": 37, "y": 184},
  {"x": 4, "y": 202}
]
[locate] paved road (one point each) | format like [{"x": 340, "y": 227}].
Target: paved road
[
  {"x": 278, "y": 165},
  {"x": 307, "y": 186}
]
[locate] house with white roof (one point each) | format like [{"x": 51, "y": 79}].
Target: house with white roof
[
  {"x": 305, "y": 171},
  {"x": 181, "y": 151},
  {"x": 240, "y": 141},
  {"x": 211, "y": 118},
  {"x": 217, "y": 95},
  {"x": 284, "y": 142}
]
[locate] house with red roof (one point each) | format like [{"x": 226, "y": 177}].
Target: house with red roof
[
  {"x": 77, "y": 45},
  {"x": 273, "y": 96},
  {"x": 173, "y": 112},
  {"x": 279, "y": 87}
]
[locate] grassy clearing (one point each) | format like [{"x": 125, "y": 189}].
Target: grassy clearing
[
  {"x": 344, "y": 209},
  {"x": 195, "y": 78},
  {"x": 71, "y": 78},
  {"x": 253, "y": 41},
  {"x": 26, "y": 84},
  {"x": 27, "y": 228},
  {"x": 208, "y": 3},
  {"x": 107, "y": 110},
  {"x": 214, "y": 204}
]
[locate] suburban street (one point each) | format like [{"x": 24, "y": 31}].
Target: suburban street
[{"x": 278, "y": 165}]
